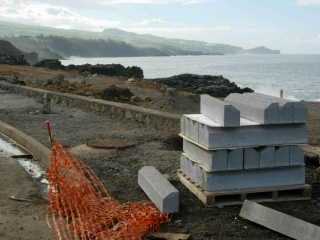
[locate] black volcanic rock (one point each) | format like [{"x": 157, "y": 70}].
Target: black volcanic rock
[
  {"x": 54, "y": 64},
  {"x": 101, "y": 69},
  {"x": 109, "y": 70},
  {"x": 216, "y": 86},
  {"x": 114, "y": 93}
]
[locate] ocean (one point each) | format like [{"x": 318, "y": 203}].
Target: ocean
[{"x": 297, "y": 75}]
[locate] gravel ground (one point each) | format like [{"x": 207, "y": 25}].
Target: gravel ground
[
  {"x": 118, "y": 169},
  {"x": 20, "y": 220}
]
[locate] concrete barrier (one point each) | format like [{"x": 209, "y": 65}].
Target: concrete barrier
[
  {"x": 149, "y": 117},
  {"x": 38, "y": 150},
  {"x": 161, "y": 192},
  {"x": 219, "y": 111}
]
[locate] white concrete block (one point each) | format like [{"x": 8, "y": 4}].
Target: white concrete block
[
  {"x": 282, "y": 156},
  {"x": 211, "y": 135},
  {"x": 242, "y": 179},
  {"x": 251, "y": 158},
  {"x": 282, "y": 223},
  {"x": 223, "y": 113},
  {"x": 267, "y": 109},
  {"x": 159, "y": 190},
  {"x": 215, "y": 160},
  {"x": 300, "y": 112},
  {"x": 267, "y": 157},
  {"x": 296, "y": 156},
  {"x": 235, "y": 159},
  {"x": 255, "y": 108}
]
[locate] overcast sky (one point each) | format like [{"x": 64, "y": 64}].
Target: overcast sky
[{"x": 292, "y": 26}]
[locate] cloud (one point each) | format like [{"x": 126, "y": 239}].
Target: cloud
[
  {"x": 29, "y": 12},
  {"x": 308, "y": 2},
  {"x": 184, "y": 2}
]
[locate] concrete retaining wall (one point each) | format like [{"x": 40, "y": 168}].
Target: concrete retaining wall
[
  {"x": 153, "y": 118},
  {"x": 38, "y": 150}
]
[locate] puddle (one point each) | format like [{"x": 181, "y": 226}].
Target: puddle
[{"x": 9, "y": 149}]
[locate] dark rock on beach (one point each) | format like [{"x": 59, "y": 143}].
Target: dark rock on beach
[
  {"x": 53, "y": 64},
  {"x": 109, "y": 70},
  {"x": 216, "y": 86},
  {"x": 101, "y": 69},
  {"x": 119, "y": 94}
]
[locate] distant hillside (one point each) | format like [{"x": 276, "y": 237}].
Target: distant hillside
[
  {"x": 6, "y": 48},
  {"x": 53, "y": 47},
  {"x": 11, "y": 55},
  {"x": 261, "y": 50},
  {"x": 132, "y": 43}
]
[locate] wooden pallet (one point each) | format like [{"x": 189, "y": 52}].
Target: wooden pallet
[{"x": 236, "y": 197}]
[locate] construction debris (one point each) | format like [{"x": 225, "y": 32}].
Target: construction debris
[
  {"x": 279, "y": 222},
  {"x": 25, "y": 156},
  {"x": 20, "y": 199},
  {"x": 168, "y": 236}
]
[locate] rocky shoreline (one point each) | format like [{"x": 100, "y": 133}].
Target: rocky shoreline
[{"x": 216, "y": 86}]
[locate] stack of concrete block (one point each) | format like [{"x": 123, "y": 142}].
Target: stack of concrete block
[{"x": 247, "y": 141}]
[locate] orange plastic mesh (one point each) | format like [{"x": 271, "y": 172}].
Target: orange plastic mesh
[{"x": 80, "y": 207}]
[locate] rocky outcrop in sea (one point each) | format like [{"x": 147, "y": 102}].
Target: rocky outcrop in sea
[{"x": 216, "y": 86}]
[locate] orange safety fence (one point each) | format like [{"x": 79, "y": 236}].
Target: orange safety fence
[{"x": 80, "y": 207}]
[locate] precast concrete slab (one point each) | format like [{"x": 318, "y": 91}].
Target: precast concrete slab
[
  {"x": 242, "y": 179},
  {"x": 210, "y": 135},
  {"x": 223, "y": 113},
  {"x": 160, "y": 191},
  {"x": 216, "y": 160}
]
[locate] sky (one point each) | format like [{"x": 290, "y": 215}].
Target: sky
[{"x": 292, "y": 26}]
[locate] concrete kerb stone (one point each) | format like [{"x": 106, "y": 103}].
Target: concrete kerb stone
[
  {"x": 211, "y": 160},
  {"x": 159, "y": 190},
  {"x": 251, "y": 158},
  {"x": 223, "y": 113},
  {"x": 38, "y": 150},
  {"x": 255, "y": 109},
  {"x": 242, "y": 179},
  {"x": 150, "y": 117},
  {"x": 210, "y": 136},
  {"x": 267, "y": 109},
  {"x": 277, "y": 221}
]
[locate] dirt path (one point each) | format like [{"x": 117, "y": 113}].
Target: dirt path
[{"x": 20, "y": 220}]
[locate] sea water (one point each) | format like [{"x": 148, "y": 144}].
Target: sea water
[{"x": 297, "y": 75}]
